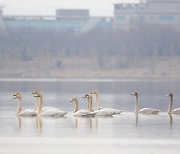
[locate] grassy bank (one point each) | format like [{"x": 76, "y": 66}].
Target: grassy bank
[{"x": 91, "y": 67}]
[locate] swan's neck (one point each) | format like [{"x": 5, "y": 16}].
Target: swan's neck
[
  {"x": 90, "y": 104},
  {"x": 97, "y": 102},
  {"x": 76, "y": 106},
  {"x": 170, "y": 104},
  {"x": 136, "y": 105},
  {"x": 41, "y": 104},
  {"x": 36, "y": 105},
  {"x": 19, "y": 108}
]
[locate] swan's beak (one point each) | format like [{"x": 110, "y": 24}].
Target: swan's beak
[
  {"x": 85, "y": 96},
  {"x": 36, "y": 95},
  {"x": 14, "y": 96},
  {"x": 167, "y": 95},
  {"x": 132, "y": 93},
  {"x": 71, "y": 101}
]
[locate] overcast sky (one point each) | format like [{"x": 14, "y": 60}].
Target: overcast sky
[{"x": 48, "y": 7}]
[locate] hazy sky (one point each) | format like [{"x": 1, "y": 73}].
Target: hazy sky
[{"x": 48, "y": 7}]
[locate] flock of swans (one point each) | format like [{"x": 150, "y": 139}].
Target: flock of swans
[{"x": 90, "y": 111}]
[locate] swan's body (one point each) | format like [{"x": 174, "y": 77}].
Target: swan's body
[
  {"x": 176, "y": 111},
  {"x": 80, "y": 112},
  {"x": 170, "y": 110},
  {"x": 48, "y": 108},
  {"x": 83, "y": 113},
  {"x": 27, "y": 112},
  {"x": 43, "y": 108},
  {"x": 105, "y": 110},
  {"x": 144, "y": 110},
  {"x": 49, "y": 111},
  {"x": 53, "y": 112},
  {"x": 101, "y": 112},
  {"x": 149, "y": 111}
]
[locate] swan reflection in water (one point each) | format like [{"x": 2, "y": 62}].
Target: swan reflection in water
[
  {"x": 171, "y": 121},
  {"x": 136, "y": 120},
  {"x": 19, "y": 121},
  {"x": 169, "y": 115},
  {"x": 88, "y": 123},
  {"x": 38, "y": 121}
]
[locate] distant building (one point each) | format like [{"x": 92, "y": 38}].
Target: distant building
[
  {"x": 163, "y": 12},
  {"x": 75, "y": 20},
  {"x": 72, "y": 14},
  {"x": 126, "y": 16}
]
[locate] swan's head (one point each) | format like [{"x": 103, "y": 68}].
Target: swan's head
[
  {"x": 73, "y": 99},
  {"x": 94, "y": 92},
  {"x": 134, "y": 94},
  {"x": 87, "y": 96},
  {"x": 169, "y": 94},
  {"x": 17, "y": 95},
  {"x": 35, "y": 92},
  {"x": 37, "y": 95}
]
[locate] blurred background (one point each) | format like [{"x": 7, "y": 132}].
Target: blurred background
[{"x": 114, "y": 39}]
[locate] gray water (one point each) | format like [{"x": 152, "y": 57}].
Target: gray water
[{"x": 126, "y": 132}]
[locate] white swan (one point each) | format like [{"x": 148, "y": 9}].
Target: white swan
[
  {"x": 49, "y": 112},
  {"x": 101, "y": 112},
  {"x": 105, "y": 109},
  {"x": 170, "y": 110},
  {"x": 89, "y": 97},
  {"x": 27, "y": 112},
  {"x": 80, "y": 112},
  {"x": 144, "y": 110},
  {"x": 37, "y": 103}
]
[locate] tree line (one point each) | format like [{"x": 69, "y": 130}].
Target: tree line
[{"x": 146, "y": 40}]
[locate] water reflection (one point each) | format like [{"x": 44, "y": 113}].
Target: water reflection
[
  {"x": 136, "y": 125},
  {"x": 75, "y": 121},
  {"x": 19, "y": 121},
  {"x": 38, "y": 121},
  {"x": 136, "y": 119},
  {"x": 88, "y": 121},
  {"x": 96, "y": 119},
  {"x": 171, "y": 121},
  {"x": 113, "y": 95}
]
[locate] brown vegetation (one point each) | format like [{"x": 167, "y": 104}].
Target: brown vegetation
[{"x": 145, "y": 50}]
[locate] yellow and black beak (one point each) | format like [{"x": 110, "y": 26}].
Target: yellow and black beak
[
  {"x": 36, "y": 95},
  {"x": 85, "y": 96},
  {"x": 14, "y": 96}
]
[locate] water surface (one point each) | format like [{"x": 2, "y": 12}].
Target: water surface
[{"x": 125, "y": 132}]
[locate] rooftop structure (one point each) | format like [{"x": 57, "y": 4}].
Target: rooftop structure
[
  {"x": 164, "y": 12},
  {"x": 75, "y": 20},
  {"x": 126, "y": 15},
  {"x": 72, "y": 13}
]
